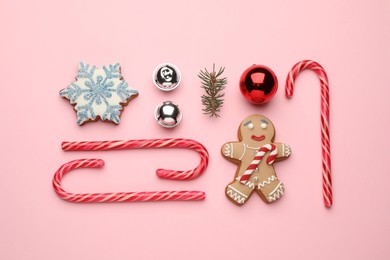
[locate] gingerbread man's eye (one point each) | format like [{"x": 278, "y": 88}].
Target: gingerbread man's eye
[
  {"x": 264, "y": 123},
  {"x": 249, "y": 124}
]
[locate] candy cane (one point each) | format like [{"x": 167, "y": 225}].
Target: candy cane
[
  {"x": 149, "y": 143},
  {"x": 325, "y": 138},
  {"x": 257, "y": 159},
  {"x": 118, "y": 196}
]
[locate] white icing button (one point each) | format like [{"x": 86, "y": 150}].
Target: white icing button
[
  {"x": 263, "y": 125},
  {"x": 250, "y": 126}
]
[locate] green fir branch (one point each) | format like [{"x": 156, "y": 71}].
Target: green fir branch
[{"x": 213, "y": 85}]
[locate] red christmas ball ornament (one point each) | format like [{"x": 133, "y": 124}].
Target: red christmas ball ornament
[{"x": 258, "y": 84}]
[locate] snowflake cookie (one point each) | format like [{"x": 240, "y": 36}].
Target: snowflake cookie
[{"x": 98, "y": 93}]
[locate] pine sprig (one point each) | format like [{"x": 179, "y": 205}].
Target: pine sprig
[{"x": 213, "y": 86}]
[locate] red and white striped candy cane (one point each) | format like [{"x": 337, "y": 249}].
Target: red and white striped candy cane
[
  {"x": 118, "y": 196},
  {"x": 149, "y": 143},
  {"x": 257, "y": 159},
  {"x": 325, "y": 137}
]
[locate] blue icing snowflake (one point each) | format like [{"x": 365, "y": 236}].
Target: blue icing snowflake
[{"x": 98, "y": 92}]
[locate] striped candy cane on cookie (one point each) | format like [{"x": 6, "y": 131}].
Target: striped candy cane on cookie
[{"x": 257, "y": 159}]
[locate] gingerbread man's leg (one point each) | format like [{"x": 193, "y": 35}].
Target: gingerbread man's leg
[
  {"x": 238, "y": 192},
  {"x": 268, "y": 185},
  {"x": 270, "y": 188}
]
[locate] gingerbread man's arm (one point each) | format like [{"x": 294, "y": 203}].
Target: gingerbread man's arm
[
  {"x": 233, "y": 150},
  {"x": 284, "y": 151}
]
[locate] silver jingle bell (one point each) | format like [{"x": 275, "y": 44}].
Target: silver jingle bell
[
  {"x": 166, "y": 77},
  {"x": 168, "y": 114}
]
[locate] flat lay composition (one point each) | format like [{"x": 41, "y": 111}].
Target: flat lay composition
[
  {"x": 258, "y": 84},
  {"x": 194, "y": 130}
]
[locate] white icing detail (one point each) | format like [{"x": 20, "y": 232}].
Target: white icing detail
[
  {"x": 274, "y": 190},
  {"x": 253, "y": 148},
  {"x": 250, "y": 185},
  {"x": 256, "y": 178},
  {"x": 251, "y": 126},
  {"x": 239, "y": 192},
  {"x": 236, "y": 197},
  {"x": 242, "y": 156},
  {"x": 263, "y": 125},
  {"x": 276, "y": 193},
  {"x": 286, "y": 150},
  {"x": 227, "y": 151},
  {"x": 267, "y": 182}
]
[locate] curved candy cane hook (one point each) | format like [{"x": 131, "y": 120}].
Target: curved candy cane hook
[
  {"x": 118, "y": 196},
  {"x": 149, "y": 143},
  {"x": 325, "y": 137}
]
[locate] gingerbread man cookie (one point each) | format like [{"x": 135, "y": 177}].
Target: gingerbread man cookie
[{"x": 255, "y": 154}]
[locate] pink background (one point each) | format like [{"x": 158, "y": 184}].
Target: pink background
[{"x": 41, "y": 45}]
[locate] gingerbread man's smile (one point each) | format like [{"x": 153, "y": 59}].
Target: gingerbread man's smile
[{"x": 258, "y": 138}]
